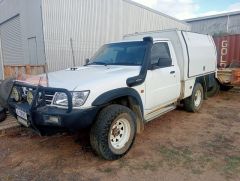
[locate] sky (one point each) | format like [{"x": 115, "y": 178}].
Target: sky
[{"x": 186, "y": 9}]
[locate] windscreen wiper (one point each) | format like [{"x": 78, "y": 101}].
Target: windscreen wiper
[{"x": 97, "y": 63}]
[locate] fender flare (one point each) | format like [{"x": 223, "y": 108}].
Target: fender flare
[{"x": 117, "y": 93}]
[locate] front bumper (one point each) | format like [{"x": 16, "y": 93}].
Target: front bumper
[{"x": 42, "y": 117}]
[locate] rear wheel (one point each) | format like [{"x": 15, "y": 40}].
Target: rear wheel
[
  {"x": 213, "y": 90},
  {"x": 194, "y": 102},
  {"x": 113, "y": 133}
]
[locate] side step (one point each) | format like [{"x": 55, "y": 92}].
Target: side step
[{"x": 159, "y": 112}]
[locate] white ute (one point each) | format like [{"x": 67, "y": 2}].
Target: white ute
[{"x": 122, "y": 87}]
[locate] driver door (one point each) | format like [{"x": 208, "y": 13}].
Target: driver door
[{"x": 163, "y": 79}]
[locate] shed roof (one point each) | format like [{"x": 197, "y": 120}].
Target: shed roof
[
  {"x": 213, "y": 16},
  {"x": 155, "y": 11}
]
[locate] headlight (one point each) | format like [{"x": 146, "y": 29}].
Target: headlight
[
  {"x": 16, "y": 94},
  {"x": 29, "y": 97},
  {"x": 78, "y": 99}
]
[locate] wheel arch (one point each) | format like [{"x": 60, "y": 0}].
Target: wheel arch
[
  {"x": 207, "y": 82},
  {"x": 203, "y": 81},
  {"x": 128, "y": 97}
]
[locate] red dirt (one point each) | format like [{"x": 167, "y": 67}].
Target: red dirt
[{"x": 177, "y": 146}]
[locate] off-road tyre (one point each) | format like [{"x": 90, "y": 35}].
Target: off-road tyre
[
  {"x": 213, "y": 90},
  {"x": 190, "y": 102},
  {"x": 100, "y": 133}
]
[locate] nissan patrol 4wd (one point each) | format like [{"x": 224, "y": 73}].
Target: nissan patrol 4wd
[{"x": 124, "y": 85}]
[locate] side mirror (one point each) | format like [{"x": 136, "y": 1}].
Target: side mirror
[
  {"x": 154, "y": 67},
  {"x": 87, "y": 60},
  {"x": 157, "y": 64},
  {"x": 164, "y": 62}
]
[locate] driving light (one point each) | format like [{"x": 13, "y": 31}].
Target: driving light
[
  {"x": 29, "y": 97},
  {"x": 78, "y": 99},
  {"x": 16, "y": 94}
]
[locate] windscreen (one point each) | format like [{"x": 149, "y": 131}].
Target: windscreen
[{"x": 126, "y": 53}]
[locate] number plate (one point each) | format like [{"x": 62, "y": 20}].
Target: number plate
[
  {"x": 23, "y": 121},
  {"x": 21, "y": 114}
]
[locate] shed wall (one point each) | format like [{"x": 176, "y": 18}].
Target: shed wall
[
  {"x": 28, "y": 13},
  {"x": 217, "y": 25},
  {"x": 11, "y": 41},
  {"x": 92, "y": 23}
]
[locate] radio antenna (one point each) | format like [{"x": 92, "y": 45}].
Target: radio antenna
[{"x": 73, "y": 56}]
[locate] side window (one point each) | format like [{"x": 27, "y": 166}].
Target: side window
[{"x": 160, "y": 55}]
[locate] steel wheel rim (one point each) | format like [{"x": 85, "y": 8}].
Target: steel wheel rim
[
  {"x": 119, "y": 133},
  {"x": 198, "y": 98}
]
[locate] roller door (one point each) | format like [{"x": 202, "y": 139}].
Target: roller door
[{"x": 11, "y": 42}]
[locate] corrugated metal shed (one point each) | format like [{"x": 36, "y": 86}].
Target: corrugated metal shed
[
  {"x": 227, "y": 23},
  {"x": 92, "y": 23},
  {"x": 48, "y": 26},
  {"x": 21, "y": 36},
  {"x": 228, "y": 48}
]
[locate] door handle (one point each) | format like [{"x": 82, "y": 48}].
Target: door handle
[{"x": 172, "y": 72}]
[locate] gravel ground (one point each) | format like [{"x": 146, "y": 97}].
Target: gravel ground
[{"x": 177, "y": 146}]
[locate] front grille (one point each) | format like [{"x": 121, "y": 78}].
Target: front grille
[{"x": 49, "y": 97}]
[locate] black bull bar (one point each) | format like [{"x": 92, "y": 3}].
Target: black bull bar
[{"x": 37, "y": 102}]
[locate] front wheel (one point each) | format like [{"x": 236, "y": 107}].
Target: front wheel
[
  {"x": 194, "y": 102},
  {"x": 113, "y": 133}
]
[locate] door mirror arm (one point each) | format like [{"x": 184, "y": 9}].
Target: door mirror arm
[{"x": 154, "y": 67}]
